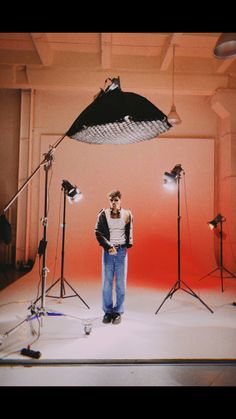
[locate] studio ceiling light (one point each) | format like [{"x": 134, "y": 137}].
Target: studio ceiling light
[
  {"x": 173, "y": 116},
  {"x": 226, "y": 46}
]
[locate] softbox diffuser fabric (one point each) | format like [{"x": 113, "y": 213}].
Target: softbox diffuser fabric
[{"x": 118, "y": 117}]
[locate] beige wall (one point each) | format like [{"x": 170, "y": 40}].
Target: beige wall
[
  {"x": 9, "y": 152},
  {"x": 224, "y": 105},
  {"x": 55, "y": 111}
]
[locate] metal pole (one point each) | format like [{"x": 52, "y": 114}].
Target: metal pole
[
  {"x": 44, "y": 240},
  {"x": 179, "y": 218},
  {"x": 221, "y": 256},
  {"x": 48, "y": 156},
  {"x": 63, "y": 247}
]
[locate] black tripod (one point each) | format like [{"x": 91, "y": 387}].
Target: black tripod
[
  {"x": 175, "y": 174},
  {"x": 221, "y": 267},
  {"x": 62, "y": 279}
]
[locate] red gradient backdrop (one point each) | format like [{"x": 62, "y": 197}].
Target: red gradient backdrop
[{"x": 137, "y": 171}]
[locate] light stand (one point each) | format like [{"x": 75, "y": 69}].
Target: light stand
[
  {"x": 175, "y": 175},
  {"x": 212, "y": 224},
  {"x": 70, "y": 192},
  {"x": 43, "y": 242},
  {"x": 38, "y": 312}
]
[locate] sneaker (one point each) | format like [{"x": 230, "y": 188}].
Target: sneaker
[
  {"x": 107, "y": 318},
  {"x": 116, "y": 318}
]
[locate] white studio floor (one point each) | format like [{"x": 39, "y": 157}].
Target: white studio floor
[{"x": 183, "y": 329}]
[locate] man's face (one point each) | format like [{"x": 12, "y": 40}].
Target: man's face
[{"x": 115, "y": 203}]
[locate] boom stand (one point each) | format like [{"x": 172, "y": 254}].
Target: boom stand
[
  {"x": 38, "y": 312},
  {"x": 62, "y": 278},
  {"x": 221, "y": 266},
  {"x": 179, "y": 283}
]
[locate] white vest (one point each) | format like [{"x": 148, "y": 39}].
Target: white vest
[{"x": 117, "y": 226}]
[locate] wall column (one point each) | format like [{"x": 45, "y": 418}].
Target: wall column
[
  {"x": 25, "y": 169},
  {"x": 224, "y": 104}
]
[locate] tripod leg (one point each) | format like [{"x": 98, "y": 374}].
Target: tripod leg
[
  {"x": 231, "y": 273},
  {"x": 191, "y": 292},
  {"x": 169, "y": 295},
  {"x": 63, "y": 291},
  {"x": 76, "y": 293},
  {"x": 209, "y": 273},
  {"x": 5, "y": 335},
  {"x": 51, "y": 286}
]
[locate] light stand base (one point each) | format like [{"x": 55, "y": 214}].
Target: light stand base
[
  {"x": 63, "y": 292},
  {"x": 176, "y": 287},
  {"x": 221, "y": 276},
  {"x": 39, "y": 313},
  {"x": 36, "y": 313}
]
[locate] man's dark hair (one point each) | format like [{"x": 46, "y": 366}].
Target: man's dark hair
[{"x": 114, "y": 193}]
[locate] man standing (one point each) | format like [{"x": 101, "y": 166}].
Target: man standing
[{"x": 114, "y": 232}]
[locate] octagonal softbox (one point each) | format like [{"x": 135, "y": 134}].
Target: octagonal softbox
[{"x": 118, "y": 117}]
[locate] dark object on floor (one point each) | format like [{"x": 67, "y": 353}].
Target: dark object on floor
[
  {"x": 30, "y": 353},
  {"x": 5, "y": 230}
]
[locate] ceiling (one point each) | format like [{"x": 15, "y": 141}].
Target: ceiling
[{"x": 142, "y": 60}]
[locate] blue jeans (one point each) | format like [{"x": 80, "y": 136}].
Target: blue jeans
[{"x": 114, "y": 266}]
